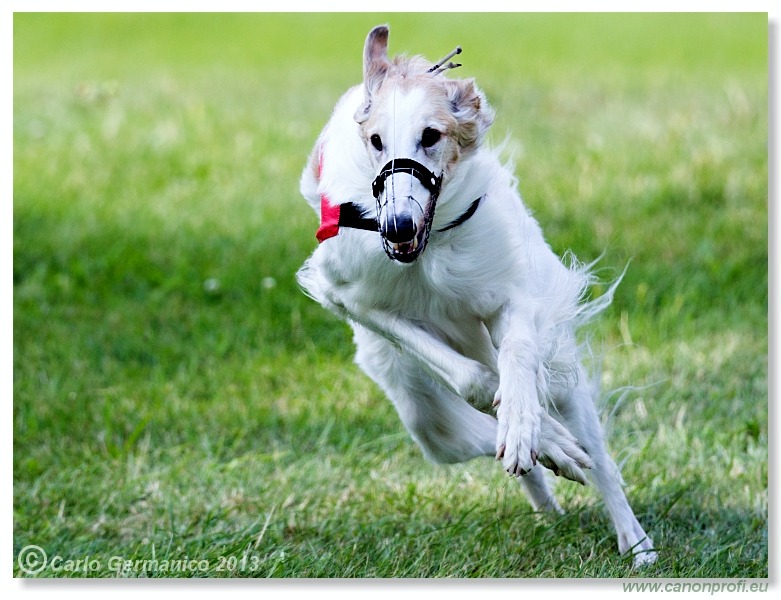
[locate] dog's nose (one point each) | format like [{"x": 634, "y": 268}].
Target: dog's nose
[{"x": 399, "y": 227}]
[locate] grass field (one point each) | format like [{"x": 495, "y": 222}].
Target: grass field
[{"x": 177, "y": 397}]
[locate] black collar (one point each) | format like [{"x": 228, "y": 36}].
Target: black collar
[
  {"x": 351, "y": 215},
  {"x": 465, "y": 217}
]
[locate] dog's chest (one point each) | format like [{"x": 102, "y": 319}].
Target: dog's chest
[{"x": 430, "y": 290}]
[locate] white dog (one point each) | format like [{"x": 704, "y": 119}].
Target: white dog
[{"x": 457, "y": 303}]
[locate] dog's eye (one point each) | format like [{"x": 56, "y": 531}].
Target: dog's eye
[
  {"x": 376, "y": 141},
  {"x": 430, "y": 137}
]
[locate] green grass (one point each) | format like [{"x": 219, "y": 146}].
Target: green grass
[{"x": 176, "y": 395}]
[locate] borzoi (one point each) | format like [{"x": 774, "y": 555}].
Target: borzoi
[{"x": 458, "y": 306}]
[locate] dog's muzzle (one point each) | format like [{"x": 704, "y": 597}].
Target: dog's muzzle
[{"x": 404, "y": 221}]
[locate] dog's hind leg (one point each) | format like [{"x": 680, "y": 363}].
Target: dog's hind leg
[
  {"x": 446, "y": 427},
  {"x": 537, "y": 489},
  {"x": 576, "y": 408}
]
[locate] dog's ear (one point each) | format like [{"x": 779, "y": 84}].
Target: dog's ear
[
  {"x": 375, "y": 56},
  {"x": 375, "y": 66},
  {"x": 471, "y": 110}
]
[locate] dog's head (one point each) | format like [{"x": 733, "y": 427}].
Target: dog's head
[{"x": 416, "y": 125}]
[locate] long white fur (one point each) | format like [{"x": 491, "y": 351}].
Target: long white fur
[{"x": 487, "y": 313}]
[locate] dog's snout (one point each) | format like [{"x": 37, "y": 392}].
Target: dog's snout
[
  {"x": 399, "y": 227},
  {"x": 404, "y": 218}
]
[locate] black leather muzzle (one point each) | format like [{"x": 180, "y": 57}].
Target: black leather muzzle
[
  {"x": 402, "y": 238},
  {"x": 406, "y": 165}
]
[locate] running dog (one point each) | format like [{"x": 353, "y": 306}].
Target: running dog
[{"x": 459, "y": 308}]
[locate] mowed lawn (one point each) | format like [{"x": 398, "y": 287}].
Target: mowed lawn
[{"x": 176, "y": 396}]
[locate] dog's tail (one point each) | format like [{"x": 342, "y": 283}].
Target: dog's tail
[{"x": 589, "y": 307}]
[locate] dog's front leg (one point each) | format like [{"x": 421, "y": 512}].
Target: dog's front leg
[
  {"x": 473, "y": 381},
  {"x": 526, "y": 433}
]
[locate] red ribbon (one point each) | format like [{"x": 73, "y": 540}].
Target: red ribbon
[{"x": 329, "y": 213}]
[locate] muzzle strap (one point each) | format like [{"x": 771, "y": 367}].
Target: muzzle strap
[
  {"x": 335, "y": 216},
  {"x": 406, "y": 165}
]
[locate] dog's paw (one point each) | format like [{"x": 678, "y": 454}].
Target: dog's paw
[
  {"x": 517, "y": 439},
  {"x": 560, "y": 452},
  {"x": 635, "y": 540},
  {"x": 478, "y": 386},
  {"x": 644, "y": 558}
]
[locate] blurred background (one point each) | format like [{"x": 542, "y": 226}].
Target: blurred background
[{"x": 176, "y": 393}]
